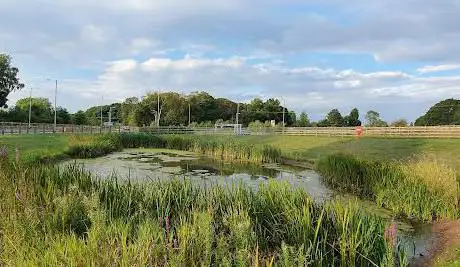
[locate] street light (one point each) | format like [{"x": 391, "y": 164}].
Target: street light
[
  {"x": 30, "y": 106},
  {"x": 55, "y": 100}
]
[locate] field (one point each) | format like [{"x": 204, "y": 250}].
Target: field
[{"x": 415, "y": 178}]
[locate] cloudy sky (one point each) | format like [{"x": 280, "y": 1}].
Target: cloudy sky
[{"x": 397, "y": 57}]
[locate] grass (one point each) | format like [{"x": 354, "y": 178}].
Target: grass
[
  {"x": 421, "y": 189},
  {"x": 311, "y": 148},
  {"x": 225, "y": 149},
  {"x": 55, "y": 217},
  {"x": 34, "y": 147},
  {"x": 451, "y": 258}
]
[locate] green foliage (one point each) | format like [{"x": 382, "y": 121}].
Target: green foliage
[
  {"x": 352, "y": 120},
  {"x": 176, "y": 224},
  {"x": 9, "y": 80},
  {"x": 373, "y": 119},
  {"x": 424, "y": 190},
  {"x": 303, "y": 120},
  {"x": 400, "y": 123},
  {"x": 446, "y": 112},
  {"x": 228, "y": 149},
  {"x": 79, "y": 118},
  {"x": 334, "y": 118}
]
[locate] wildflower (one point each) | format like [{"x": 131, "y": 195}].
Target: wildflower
[
  {"x": 390, "y": 234},
  {"x": 18, "y": 196}
]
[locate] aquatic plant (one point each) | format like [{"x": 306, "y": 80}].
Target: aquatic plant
[
  {"x": 65, "y": 217},
  {"x": 421, "y": 189},
  {"x": 226, "y": 149}
]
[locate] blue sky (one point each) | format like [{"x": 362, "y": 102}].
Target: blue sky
[{"x": 396, "y": 57}]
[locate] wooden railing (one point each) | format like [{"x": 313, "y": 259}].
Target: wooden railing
[
  {"x": 7, "y": 128},
  {"x": 410, "y": 132}
]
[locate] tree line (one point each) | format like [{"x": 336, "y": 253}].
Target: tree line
[{"x": 196, "y": 109}]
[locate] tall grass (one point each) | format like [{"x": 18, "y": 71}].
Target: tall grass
[
  {"x": 53, "y": 216},
  {"x": 421, "y": 189},
  {"x": 226, "y": 149}
]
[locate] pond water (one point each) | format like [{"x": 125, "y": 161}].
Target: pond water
[{"x": 158, "y": 164}]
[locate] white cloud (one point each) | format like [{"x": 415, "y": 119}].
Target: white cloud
[
  {"x": 438, "y": 68},
  {"x": 92, "y": 33},
  {"x": 156, "y": 64}
]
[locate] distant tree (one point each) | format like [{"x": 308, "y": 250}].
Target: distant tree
[
  {"x": 80, "y": 118},
  {"x": 373, "y": 119},
  {"x": 63, "y": 116},
  {"x": 322, "y": 123},
  {"x": 334, "y": 118},
  {"x": 303, "y": 120},
  {"x": 9, "y": 80},
  {"x": 41, "y": 111},
  {"x": 446, "y": 112},
  {"x": 352, "y": 119},
  {"x": 399, "y": 123}
]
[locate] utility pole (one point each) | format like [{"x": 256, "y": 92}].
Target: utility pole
[
  {"x": 55, "y": 100},
  {"x": 110, "y": 116},
  {"x": 237, "y": 118},
  {"x": 237, "y": 113},
  {"x": 158, "y": 110},
  {"x": 30, "y": 106},
  {"x": 102, "y": 122},
  {"x": 189, "y": 115}
]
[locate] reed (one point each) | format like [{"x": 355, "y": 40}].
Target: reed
[
  {"x": 226, "y": 149},
  {"x": 421, "y": 189},
  {"x": 60, "y": 216}
]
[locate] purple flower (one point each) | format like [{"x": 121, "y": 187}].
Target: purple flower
[{"x": 390, "y": 234}]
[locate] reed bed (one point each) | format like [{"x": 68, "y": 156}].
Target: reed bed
[
  {"x": 421, "y": 189},
  {"x": 228, "y": 149},
  {"x": 61, "y": 216}
]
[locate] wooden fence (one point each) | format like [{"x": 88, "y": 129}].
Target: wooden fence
[
  {"x": 41, "y": 128},
  {"x": 410, "y": 132}
]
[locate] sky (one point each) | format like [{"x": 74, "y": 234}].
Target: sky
[{"x": 395, "y": 57}]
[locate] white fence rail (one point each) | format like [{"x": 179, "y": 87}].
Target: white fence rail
[{"x": 413, "y": 131}]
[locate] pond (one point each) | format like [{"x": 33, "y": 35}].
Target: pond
[
  {"x": 142, "y": 165},
  {"x": 159, "y": 164}
]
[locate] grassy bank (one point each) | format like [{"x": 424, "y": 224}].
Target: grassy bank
[
  {"x": 311, "y": 148},
  {"x": 35, "y": 147},
  {"x": 421, "y": 189},
  {"x": 55, "y": 217},
  {"x": 226, "y": 149}
]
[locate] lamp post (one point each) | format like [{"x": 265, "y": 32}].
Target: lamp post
[
  {"x": 55, "y": 104},
  {"x": 30, "y": 106}
]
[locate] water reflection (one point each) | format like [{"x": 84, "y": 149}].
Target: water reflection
[{"x": 154, "y": 164}]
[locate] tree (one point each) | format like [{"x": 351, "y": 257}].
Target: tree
[
  {"x": 303, "y": 120},
  {"x": 373, "y": 119},
  {"x": 353, "y": 119},
  {"x": 399, "y": 123},
  {"x": 446, "y": 112},
  {"x": 80, "y": 118},
  {"x": 334, "y": 118},
  {"x": 63, "y": 116},
  {"x": 41, "y": 109},
  {"x": 9, "y": 80}
]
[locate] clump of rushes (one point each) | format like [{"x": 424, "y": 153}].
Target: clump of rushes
[
  {"x": 107, "y": 223},
  {"x": 422, "y": 189},
  {"x": 230, "y": 150}
]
